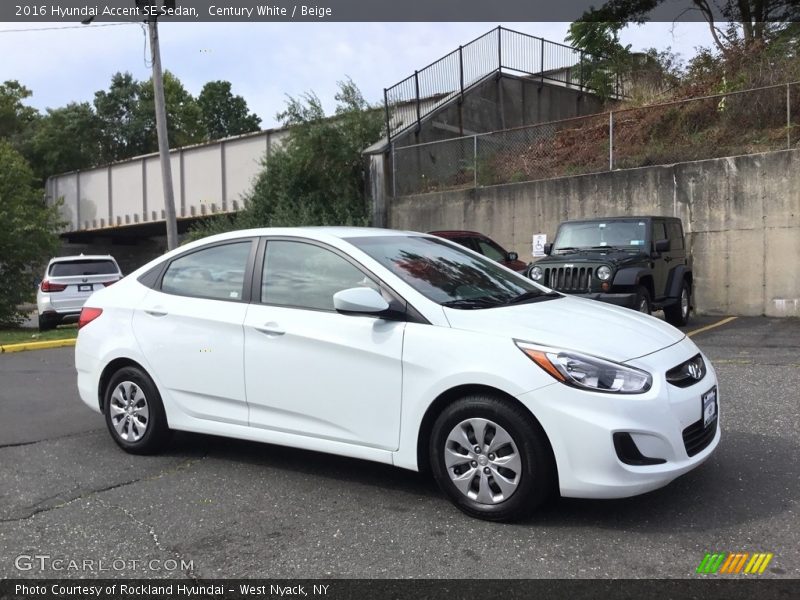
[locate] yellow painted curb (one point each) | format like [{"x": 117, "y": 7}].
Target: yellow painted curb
[
  {"x": 37, "y": 345},
  {"x": 712, "y": 326}
]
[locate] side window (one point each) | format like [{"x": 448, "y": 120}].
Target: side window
[
  {"x": 676, "y": 235},
  {"x": 490, "y": 251},
  {"x": 216, "y": 272},
  {"x": 306, "y": 276}
]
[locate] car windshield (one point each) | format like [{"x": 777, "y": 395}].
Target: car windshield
[
  {"x": 83, "y": 267},
  {"x": 626, "y": 234},
  {"x": 447, "y": 274}
]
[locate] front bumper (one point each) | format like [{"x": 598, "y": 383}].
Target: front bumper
[
  {"x": 624, "y": 300},
  {"x": 581, "y": 426}
]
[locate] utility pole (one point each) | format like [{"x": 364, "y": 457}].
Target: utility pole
[{"x": 163, "y": 139}]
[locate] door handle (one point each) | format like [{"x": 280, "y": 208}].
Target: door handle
[
  {"x": 271, "y": 329},
  {"x": 156, "y": 313}
]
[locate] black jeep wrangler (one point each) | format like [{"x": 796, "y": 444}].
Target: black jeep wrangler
[{"x": 636, "y": 262}]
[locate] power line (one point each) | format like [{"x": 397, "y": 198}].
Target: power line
[{"x": 84, "y": 27}]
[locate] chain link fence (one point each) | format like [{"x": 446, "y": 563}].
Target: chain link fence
[{"x": 748, "y": 122}]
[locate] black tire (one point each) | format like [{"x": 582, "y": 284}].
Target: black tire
[
  {"x": 156, "y": 430},
  {"x": 643, "y": 301},
  {"x": 47, "y": 323},
  {"x": 537, "y": 477},
  {"x": 678, "y": 314}
]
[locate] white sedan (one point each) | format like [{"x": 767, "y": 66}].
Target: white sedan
[{"x": 401, "y": 348}]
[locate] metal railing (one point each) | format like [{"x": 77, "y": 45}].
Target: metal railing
[
  {"x": 409, "y": 101},
  {"x": 734, "y": 123}
]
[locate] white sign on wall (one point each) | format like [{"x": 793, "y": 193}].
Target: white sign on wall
[{"x": 539, "y": 240}]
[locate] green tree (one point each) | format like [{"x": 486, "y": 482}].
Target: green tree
[
  {"x": 733, "y": 23},
  {"x": 66, "y": 139},
  {"x": 29, "y": 236},
  {"x": 317, "y": 177},
  {"x": 17, "y": 120},
  {"x": 127, "y": 117},
  {"x": 184, "y": 119},
  {"x": 122, "y": 123},
  {"x": 222, "y": 113}
]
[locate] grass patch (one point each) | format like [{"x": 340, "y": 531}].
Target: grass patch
[{"x": 19, "y": 335}]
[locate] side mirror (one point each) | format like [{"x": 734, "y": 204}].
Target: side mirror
[
  {"x": 359, "y": 301},
  {"x": 548, "y": 248},
  {"x": 512, "y": 256},
  {"x": 662, "y": 246}
]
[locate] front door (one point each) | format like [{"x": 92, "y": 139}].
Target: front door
[{"x": 310, "y": 370}]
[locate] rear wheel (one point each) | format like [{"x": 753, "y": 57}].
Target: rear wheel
[
  {"x": 642, "y": 300},
  {"x": 678, "y": 313},
  {"x": 134, "y": 412},
  {"x": 491, "y": 458},
  {"x": 47, "y": 323}
]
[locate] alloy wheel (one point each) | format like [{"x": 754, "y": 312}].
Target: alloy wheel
[
  {"x": 130, "y": 414},
  {"x": 483, "y": 461}
]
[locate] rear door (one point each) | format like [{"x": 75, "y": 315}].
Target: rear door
[{"x": 190, "y": 330}]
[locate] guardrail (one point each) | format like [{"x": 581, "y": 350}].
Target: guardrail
[{"x": 410, "y": 100}]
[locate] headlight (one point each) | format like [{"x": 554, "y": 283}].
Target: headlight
[
  {"x": 536, "y": 273},
  {"x": 588, "y": 372},
  {"x": 603, "y": 273}
]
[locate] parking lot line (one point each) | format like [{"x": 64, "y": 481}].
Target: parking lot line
[{"x": 712, "y": 326}]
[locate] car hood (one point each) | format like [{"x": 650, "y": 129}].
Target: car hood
[
  {"x": 616, "y": 257},
  {"x": 587, "y": 326}
]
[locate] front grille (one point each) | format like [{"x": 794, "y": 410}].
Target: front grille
[
  {"x": 696, "y": 437},
  {"x": 568, "y": 279},
  {"x": 687, "y": 373}
]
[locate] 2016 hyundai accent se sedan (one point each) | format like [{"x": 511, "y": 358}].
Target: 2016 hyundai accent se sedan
[{"x": 401, "y": 348}]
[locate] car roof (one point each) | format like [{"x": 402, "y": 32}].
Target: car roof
[
  {"x": 457, "y": 233},
  {"x": 319, "y": 233},
  {"x": 59, "y": 259}
]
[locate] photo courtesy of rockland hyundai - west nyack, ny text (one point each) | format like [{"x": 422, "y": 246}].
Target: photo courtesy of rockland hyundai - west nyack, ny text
[{"x": 399, "y": 300}]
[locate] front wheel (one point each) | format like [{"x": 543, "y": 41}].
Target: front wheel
[
  {"x": 134, "y": 412},
  {"x": 491, "y": 458},
  {"x": 678, "y": 314},
  {"x": 643, "y": 300}
]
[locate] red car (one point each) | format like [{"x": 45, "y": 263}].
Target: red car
[{"x": 486, "y": 246}]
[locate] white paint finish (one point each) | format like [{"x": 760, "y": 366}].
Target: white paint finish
[
  {"x": 194, "y": 347},
  {"x": 326, "y": 375},
  {"x": 155, "y": 189},
  {"x": 360, "y": 386}
]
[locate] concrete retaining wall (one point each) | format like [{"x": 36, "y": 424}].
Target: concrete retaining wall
[{"x": 741, "y": 214}]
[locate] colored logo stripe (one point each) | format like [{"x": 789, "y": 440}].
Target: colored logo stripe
[
  {"x": 734, "y": 562},
  {"x": 711, "y": 562}
]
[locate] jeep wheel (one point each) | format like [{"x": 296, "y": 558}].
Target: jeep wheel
[
  {"x": 678, "y": 313},
  {"x": 642, "y": 300}
]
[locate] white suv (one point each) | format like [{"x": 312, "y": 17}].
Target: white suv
[{"x": 68, "y": 282}]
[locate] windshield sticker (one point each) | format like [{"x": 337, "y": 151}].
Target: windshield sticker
[
  {"x": 602, "y": 225},
  {"x": 637, "y": 242}
]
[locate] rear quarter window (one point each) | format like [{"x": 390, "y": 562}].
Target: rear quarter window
[{"x": 83, "y": 267}]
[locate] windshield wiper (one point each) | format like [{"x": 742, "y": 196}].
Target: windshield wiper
[
  {"x": 566, "y": 249},
  {"x": 479, "y": 302},
  {"x": 532, "y": 296},
  {"x": 605, "y": 248}
]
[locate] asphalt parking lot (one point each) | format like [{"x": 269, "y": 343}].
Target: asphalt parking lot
[{"x": 228, "y": 508}]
